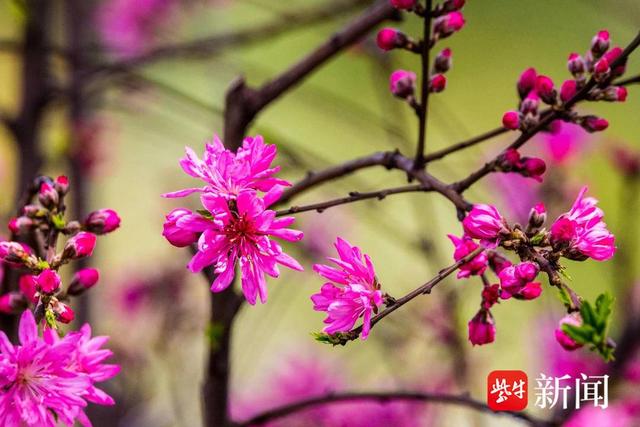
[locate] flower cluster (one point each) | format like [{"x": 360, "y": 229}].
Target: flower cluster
[
  {"x": 596, "y": 63},
  {"x": 50, "y": 380},
  {"x": 236, "y": 226},
  {"x": 353, "y": 290},
  {"x": 40, "y": 286},
  {"x": 577, "y": 235},
  {"x": 448, "y": 20}
]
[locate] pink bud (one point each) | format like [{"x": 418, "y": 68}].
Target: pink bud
[
  {"x": 437, "y": 83},
  {"x": 102, "y": 221},
  {"x": 442, "y": 63},
  {"x": 537, "y": 216},
  {"x": 615, "y": 94},
  {"x": 402, "y": 83},
  {"x": 526, "y": 271},
  {"x": 594, "y": 123},
  {"x": 13, "y": 225},
  {"x": 497, "y": 262},
  {"x": 575, "y": 64},
  {"x": 530, "y": 103},
  {"x": 546, "y": 90},
  {"x": 568, "y": 90},
  {"x": 48, "y": 196},
  {"x": 490, "y": 296},
  {"x": 451, "y": 5},
  {"x": 534, "y": 167},
  {"x": 176, "y": 235},
  {"x": 48, "y": 281},
  {"x": 531, "y": 291},
  {"x": 601, "y": 70},
  {"x": 390, "y": 38},
  {"x": 13, "y": 252},
  {"x": 600, "y": 43},
  {"x": 403, "y": 4},
  {"x": 29, "y": 287},
  {"x": 11, "y": 302},
  {"x": 527, "y": 82},
  {"x": 79, "y": 246},
  {"x": 482, "y": 328},
  {"x": 563, "y": 339},
  {"x": 61, "y": 184},
  {"x": 64, "y": 313},
  {"x": 84, "y": 279},
  {"x": 448, "y": 24},
  {"x": 510, "y": 158},
  {"x": 511, "y": 120},
  {"x": 484, "y": 222},
  {"x": 611, "y": 57}
]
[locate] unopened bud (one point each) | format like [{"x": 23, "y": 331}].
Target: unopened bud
[
  {"x": 546, "y": 90},
  {"x": 437, "y": 83},
  {"x": 526, "y": 82},
  {"x": 568, "y": 90},
  {"x": 61, "y": 184},
  {"x": 79, "y": 246},
  {"x": 593, "y": 123},
  {"x": 530, "y": 103},
  {"x": 537, "y": 216},
  {"x": 600, "y": 43},
  {"x": 83, "y": 280},
  {"x": 13, "y": 252},
  {"x": 64, "y": 313},
  {"x": 442, "y": 63},
  {"x": 565, "y": 340},
  {"x": 448, "y": 24},
  {"x": 403, "y": 4},
  {"x": 11, "y": 303},
  {"x": 402, "y": 83},
  {"x": 615, "y": 94},
  {"x": 48, "y": 196},
  {"x": 29, "y": 287},
  {"x": 102, "y": 221},
  {"x": 511, "y": 120},
  {"x": 611, "y": 57},
  {"x": 20, "y": 224},
  {"x": 601, "y": 70},
  {"x": 48, "y": 281},
  {"x": 576, "y": 65},
  {"x": 533, "y": 167},
  {"x": 391, "y": 38}
]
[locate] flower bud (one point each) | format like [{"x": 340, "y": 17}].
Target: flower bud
[
  {"x": 537, "y": 216},
  {"x": 484, "y": 222},
  {"x": 526, "y": 82},
  {"x": 615, "y": 94},
  {"x": 530, "y": 103},
  {"x": 13, "y": 252},
  {"x": 593, "y": 123},
  {"x": 31, "y": 211},
  {"x": 79, "y": 246},
  {"x": 61, "y": 184},
  {"x": 526, "y": 271},
  {"x": 402, "y": 83},
  {"x": 452, "y": 5},
  {"x": 48, "y": 196},
  {"x": 11, "y": 303},
  {"x": 490, "y": 296},
  {"x": 28, "y": 285},
  {"x": 600, "y": 43},
  {"x": 511, "y": 120},
  {"x": 531, "y": 291},
  {"x": 390, "y": 38},
  {"x": 568, "y": 90},
  {"x": 533, "y": 167},
  {"x": 64, "y": 313},
  {"x": 102, "y": 221},
  {"x": 403, "y": 4},
  {"x": 83, "y": 280},
  {"x": 48, "y": 281},
  {"x": 448, "y": 24},
  {"x": 601, "y": 70},
  {"x": 611, "y": 57},
  {"x": 497, "y": 262},
  {"x": 442, "y": 63},
  {"x": 563, "y": 339},
  {"x": 19, "y": 224},
  {"x": 482, "y": 328},
  {"x": 437, "y": 83},
  {"x": 546, "y": 90},
  {"x": 176, "y": 235},
  {"x": 576, "y": 65}
]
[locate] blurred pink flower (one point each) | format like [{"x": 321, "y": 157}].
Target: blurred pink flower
[
  {"x": 358, "y": 296},
  {"x": 618, "y": 414},
  {"x": 129, "y": 27},
  {"x": 242, "y": 235},
  {"x": 564, "y": 142}
]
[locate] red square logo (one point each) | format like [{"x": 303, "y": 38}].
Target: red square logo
[{"x": 507, "y": 390}]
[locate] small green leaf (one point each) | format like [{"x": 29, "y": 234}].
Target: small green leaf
[
  {"x": 205, "y": 213},
  {"x": 58, "y": 221}
]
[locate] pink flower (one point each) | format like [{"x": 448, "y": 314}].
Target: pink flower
[
  {"x": 390, "y": 38},
  {"x": 42, "y": 383},
  {"x": 402, "y": 83},
  {"x": 518, "y": 278},
  {"x": 28, "y": 287},
  {"x": 484, "y": 222},
  {"x": 80, "y": 246},
  {"x": 357, "y": 296},
  {"x": 241, "y": 232},
  {"x": 618, "y": 414},
  {"x": 176, "y": 235},
  {"x": 582, "y": 230},
  {"x": 482, "y": 328},
  {"x": 102, "y": 221},
  {"x": 227, "y": 173},
  {"x": 83, "y": 279},
  {"x": 463, "y": 247},
  {"x": 564, "y": 142},
  {"x": 48, "y": 281},
  {"x": 563, "y": 339}
]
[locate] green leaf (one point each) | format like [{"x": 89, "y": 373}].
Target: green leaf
[{"x": 205, "y": 213}]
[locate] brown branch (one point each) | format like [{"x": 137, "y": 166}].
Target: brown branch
[
  {"x": 243, "y": 103},
  {"x": 386, "y": 397},
  {"x": 545, "y": 120},
  {"x": 424, "y": 89},
  {"x": 213, "y": 45},
  {"x": 354, "y": 196},
  {"x": 422, "y": 290},
  {"x": 436, "y": 155}
]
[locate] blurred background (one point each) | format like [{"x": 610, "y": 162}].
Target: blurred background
[{"x": 120, "y": 138}]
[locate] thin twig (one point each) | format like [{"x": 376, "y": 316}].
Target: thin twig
[
  {"x": 386, "y": 397},
  {"x": 424, "y": 89}
]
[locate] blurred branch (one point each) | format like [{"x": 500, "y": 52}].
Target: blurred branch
[
  {"x": 209, "y": 46},
  {"x": 424, "y": 86},
  {"x": 386, "y": 397}
]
